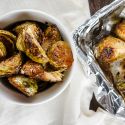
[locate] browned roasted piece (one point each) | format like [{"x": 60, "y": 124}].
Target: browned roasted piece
[
  {"x": 60, "y": 55},
  {"x": 11, "y": 65},
  {"x": 120, "y": 30},
  {"x": 121, "y": 89},
  {"x": 117, "y": 69},
  {"x": 28, "y": 42},
  {"x": 50, "y": 36},
  {"x": 36, "y": 71},
  {"x": 110, "y": 49},
  {"x": 26, "y": 85}
]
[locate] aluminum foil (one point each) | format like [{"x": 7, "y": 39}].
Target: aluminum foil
[{"x": 85, "y": 37}]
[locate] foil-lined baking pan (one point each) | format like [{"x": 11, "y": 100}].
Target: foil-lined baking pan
[{"x": 85, "y": 38}]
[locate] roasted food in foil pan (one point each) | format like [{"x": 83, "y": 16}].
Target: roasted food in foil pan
[{"x": 100, "y": 42}]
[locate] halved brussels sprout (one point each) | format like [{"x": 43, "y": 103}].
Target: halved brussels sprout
[
  {"x": 36, "y": 71},
  {"x": 3, "y": 51},
  {"x": 51, "y": 36},
  {"x": 60, "y": 55},
  {"x": 110, "y": 49},
  {"x": 11, "y": 65},
  {"x": 28, "y": 42},
  {"x": 26, "y": 85}
]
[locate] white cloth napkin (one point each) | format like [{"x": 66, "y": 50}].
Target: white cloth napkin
[{"x": 72, "y": 106}]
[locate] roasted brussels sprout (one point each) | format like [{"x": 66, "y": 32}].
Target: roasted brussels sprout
[
  {"x": 26, "y": 85},
  {"x": 36, "y": 71},
  {"x": 60, "y": 55},
  {"x": 3, "y": 51},
  {"x": 28, "y": 42},
  {"x": 120, "y": 30},
  {"x": 52, "y": 33},
  {"x": 11, "y": 65},
  {"x": 50, "y": 36},
  {"x": 110, "y": 49}
]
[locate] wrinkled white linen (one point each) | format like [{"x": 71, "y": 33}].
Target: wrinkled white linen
[{"x": 72, "y": 106}]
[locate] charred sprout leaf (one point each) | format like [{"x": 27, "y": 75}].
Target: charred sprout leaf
[
  {"x": 60, "y": 55},
  {"x": 11, "y": 65},
  {"x": 19, "y": 28},
  {"x": 51, "y": 36},
  {"x": 19, "y": 44},
  {"x": 26, "y": 85},
  {"x": 36, "y": 71},
  {"x": 7, "y": 34},
  {"x": 3, "y": 51},
  {"x": 8, "y": 43},
  {"x": 28, "y": 42}
]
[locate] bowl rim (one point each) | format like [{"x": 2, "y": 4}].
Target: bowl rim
[{"x": 68, "y": 35}]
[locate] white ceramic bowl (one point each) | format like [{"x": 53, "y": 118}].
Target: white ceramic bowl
[{"x": 55, "y": 90}]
